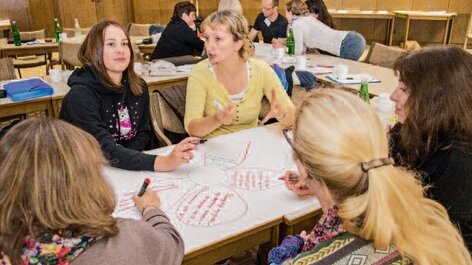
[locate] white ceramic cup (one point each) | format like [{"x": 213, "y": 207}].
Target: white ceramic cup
[
  {"x": 63, "y": 36},
  {"x": 341, "y": 71},
  {"x": 155, "y": 37},
  {"x": 56, "y": 75},
  {"x": 300, "y": 62},
  {"x": 138, "y": 68},
  {"x": 278, "y": 54}
]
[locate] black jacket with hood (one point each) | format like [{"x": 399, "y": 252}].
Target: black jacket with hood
[{"x": 119, "y": 120}]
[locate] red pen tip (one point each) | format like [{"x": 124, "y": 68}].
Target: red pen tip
[{"x": 147, "y": 180}]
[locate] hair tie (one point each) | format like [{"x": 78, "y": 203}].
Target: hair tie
[{"x": 375, "y": 163}]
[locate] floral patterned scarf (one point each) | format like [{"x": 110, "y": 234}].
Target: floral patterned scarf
[{"x": 51, "y": 248}]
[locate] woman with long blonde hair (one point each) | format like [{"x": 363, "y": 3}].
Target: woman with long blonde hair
[
  {"x": 56, "y": 207},
  {"x": 373, "y": 210}
]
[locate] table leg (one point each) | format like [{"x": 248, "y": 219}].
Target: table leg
[
  {"x": 407, "y": 30},
  {"x": 391, "y": 25},
  {"x": 448, "y": 31}
]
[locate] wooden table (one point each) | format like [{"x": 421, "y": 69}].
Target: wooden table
[
  {"x": 255, "y": 209},
  {"x": 10, "y": 50},
  {"x": 369, "y": 14},
  {"x": 9, "y": 108},
  {"x": 408, "y": 16}
]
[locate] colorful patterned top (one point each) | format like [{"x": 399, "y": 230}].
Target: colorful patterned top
[
  {"x": 329, "y": 243},
  {"x": 50, "y": 248},
  {"x": 347, "y": 249}
]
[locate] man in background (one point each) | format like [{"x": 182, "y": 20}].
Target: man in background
[
  {"x": 180, "y": 36},
  {"x": 272, "y": 24}
]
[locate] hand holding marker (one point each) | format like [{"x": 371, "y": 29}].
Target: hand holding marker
[{"x": 143, "y": 187}]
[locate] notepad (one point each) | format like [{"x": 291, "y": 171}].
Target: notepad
[
  {"x": 352, "y": 79},
  {"x": 27, "y": 89}
]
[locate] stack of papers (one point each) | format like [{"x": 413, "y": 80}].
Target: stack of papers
[
  {"x": 162, "y": 68},
  {"x": 352, "y": 79}
]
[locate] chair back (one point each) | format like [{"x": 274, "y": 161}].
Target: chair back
[
  {"x": 138, "y": 57},
  {"x": 383, "y": 55},
  {"x": 7, "y": 69},
  {"x": 167, "y": 107},
  {"x": 71, "y": 31},
  {"x": 68, "y": 54},
  {"x": 37, "y": 34},
  {"x": 138, "y": 29}
]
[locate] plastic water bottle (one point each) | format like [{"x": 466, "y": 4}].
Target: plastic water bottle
[
  {"x": 78, "y": 33},
  {"x": 385, "y": 110}
]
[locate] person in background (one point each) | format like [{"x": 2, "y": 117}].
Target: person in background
[
  {"x": 108, "y": 100},
  {"x": 224, "y": 92},
  {"x": 309, "y": 32},
  {"x": 272, "y": 24},
  {"x": 231, "y": 5},
  {"x": 56, "y": 208},
  {"x": 318, "y": 10},
  {"x": 434, "y": 130},
  {"x": 180, "y": 35},
  {"x": 372, "y": 210}
]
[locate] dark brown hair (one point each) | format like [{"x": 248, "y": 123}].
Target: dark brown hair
[
  {"x": 438, "y": 81},
  {"x": 91, "y": 55},
  {"x": 181, "y": 8},
  {"x": 318, "y": 7},
  {"x": 58, "y": 185}
]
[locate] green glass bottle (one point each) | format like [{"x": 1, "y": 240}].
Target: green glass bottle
[
  {"x": 290, "y": 42},
  {"x": 16, "y": 33},
  {"x": 364, "y": 93},
  {"x": 57, "y": 30}
]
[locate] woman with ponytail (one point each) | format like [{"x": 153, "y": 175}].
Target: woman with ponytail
[
  {"x": 374, "y": 212},
  {"x": 224, "y": 92}
]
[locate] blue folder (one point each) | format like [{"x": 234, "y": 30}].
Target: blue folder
[{"x": 27, "y": 89}]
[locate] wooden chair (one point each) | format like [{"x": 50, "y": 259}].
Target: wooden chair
[
  {"x": 68, "y": 54},
  {"x": 71, "y": 32},
  {"x": 167, "y": 107},
  {"x": 383, "y": 55},
  {"x": 138, "y": 29},
  {"x": 7, "y": 69},
  {"x": 138, "y": 56},
  {"x": 33, "y": 60},
  {"x": 469, "y": 32}
]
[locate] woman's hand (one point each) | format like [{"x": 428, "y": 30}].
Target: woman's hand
[
  {"x": 225, "y": 116},
  {"x": 294, "y": 183},
  {"x": 276, "y": 110},
  {"x": 149, "y": 200},
  {"x": 182, "y": 153}
]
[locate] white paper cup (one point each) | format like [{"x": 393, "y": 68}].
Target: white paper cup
[
  {"x": 56, "y": 75},
  {"x": 300, "y": 62}
]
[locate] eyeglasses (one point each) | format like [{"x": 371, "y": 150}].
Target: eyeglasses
[
  {"x": 267, "y": 8},
  {"x": 288, "y": 134}
]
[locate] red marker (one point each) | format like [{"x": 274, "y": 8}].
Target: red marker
[{"x": 143, "y": 187}]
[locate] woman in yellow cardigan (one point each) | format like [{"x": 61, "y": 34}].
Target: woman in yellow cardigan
[{"x": 224, "y": 92}]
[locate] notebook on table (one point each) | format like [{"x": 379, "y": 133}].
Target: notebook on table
[{"x": 27, "y": 89}]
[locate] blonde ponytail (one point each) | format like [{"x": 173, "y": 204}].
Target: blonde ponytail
[{"x": 335, "y": 132}]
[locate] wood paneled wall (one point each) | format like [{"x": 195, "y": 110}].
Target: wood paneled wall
[{"x": 38, "y": 14}]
